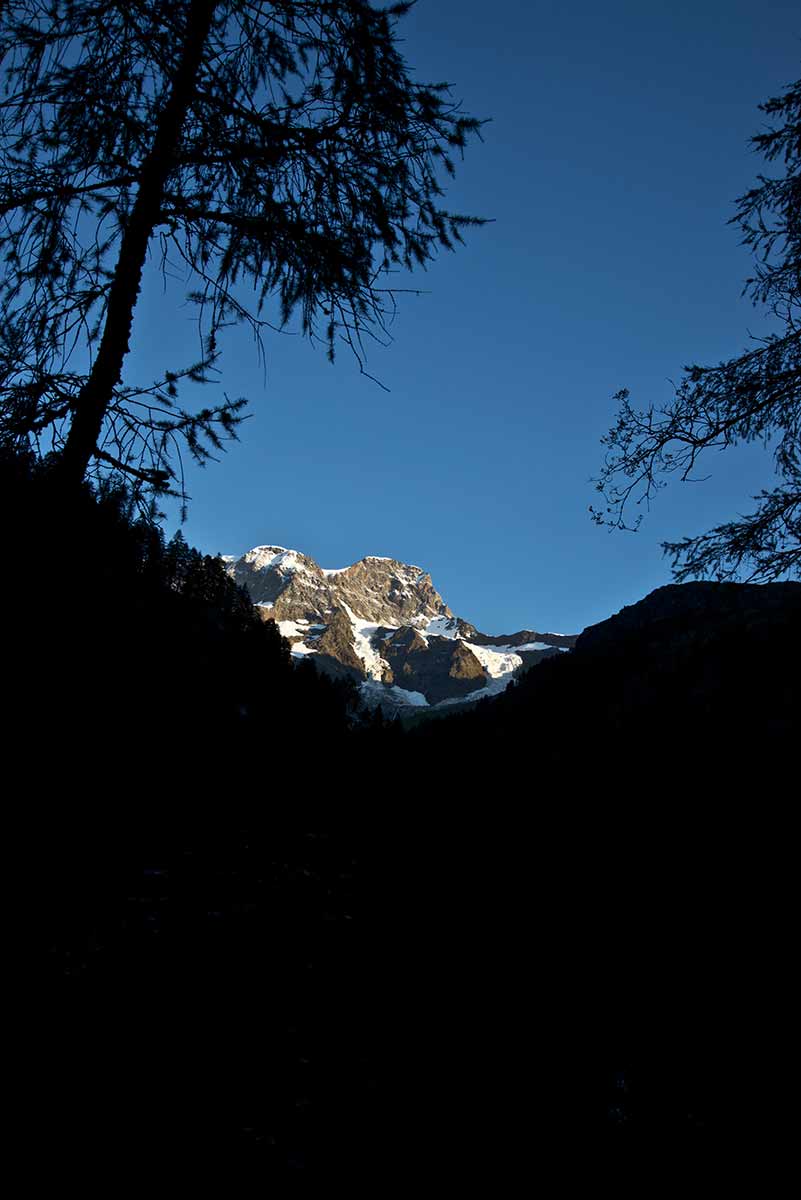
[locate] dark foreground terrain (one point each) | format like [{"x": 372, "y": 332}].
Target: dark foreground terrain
[{"x": 549, "y": 935}]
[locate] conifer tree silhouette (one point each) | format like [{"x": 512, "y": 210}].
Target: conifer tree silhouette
[{"x": 278, "y": 154}]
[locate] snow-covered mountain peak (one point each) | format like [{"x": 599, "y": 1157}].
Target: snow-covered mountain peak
[
  {"x": 278, "y": 558},
  {"x": 381, "y": 621}
]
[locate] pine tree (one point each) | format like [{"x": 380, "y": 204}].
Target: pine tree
[
  {"x": 279, "y": 153},
  {"x": 176, "y": 561}
]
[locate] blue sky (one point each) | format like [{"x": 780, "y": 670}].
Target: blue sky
[{"x": 618, "y": 142}]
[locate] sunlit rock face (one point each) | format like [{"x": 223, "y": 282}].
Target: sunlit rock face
[{"x": 383, "y": 623}]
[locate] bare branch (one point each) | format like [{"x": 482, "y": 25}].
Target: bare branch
[{"x": 753, "y": 398}]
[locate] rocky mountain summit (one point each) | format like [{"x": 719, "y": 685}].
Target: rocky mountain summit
[{"x": 383, "y": 623}]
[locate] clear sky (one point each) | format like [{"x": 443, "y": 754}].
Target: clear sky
[{"x": 617, "y": 145}]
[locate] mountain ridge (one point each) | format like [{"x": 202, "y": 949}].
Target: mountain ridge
[{"x": 382, "y": 622}]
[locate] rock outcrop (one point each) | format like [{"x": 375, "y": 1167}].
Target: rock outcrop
[{"x": 382, "y": 622}]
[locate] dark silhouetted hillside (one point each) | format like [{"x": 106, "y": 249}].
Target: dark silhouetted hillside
[{"x": 256, "y": 918}]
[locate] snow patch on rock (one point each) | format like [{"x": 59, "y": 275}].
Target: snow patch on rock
[
  {"x": 277, "y": 558},
  {"x": 528, "y": 646},
  {"x": 497, "y": 663},
  {"x": 363, "y": 631},
  {"x": 447, "y": 627}
]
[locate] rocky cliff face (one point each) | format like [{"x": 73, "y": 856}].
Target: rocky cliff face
[
  {"x": 380, "y": 590},
  {"x": 383, "y": 623}
]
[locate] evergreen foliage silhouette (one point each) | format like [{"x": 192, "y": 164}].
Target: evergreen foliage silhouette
[
  {"x": 755, "y": 397},
  {"x": 122, "y": 641},
  {"x": 280, "y": 156}
]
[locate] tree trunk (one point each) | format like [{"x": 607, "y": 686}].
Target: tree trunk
[{"x": 95, "y": 397}]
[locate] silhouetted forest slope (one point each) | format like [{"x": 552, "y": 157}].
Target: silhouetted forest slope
[
  {"x": 694, "y": 686},
  {"x": 140, "y": 667},
  {"x": 526, "y": 934}
]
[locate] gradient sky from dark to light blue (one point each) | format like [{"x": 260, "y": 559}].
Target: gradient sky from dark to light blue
[{"x": 618, "y": 142}]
